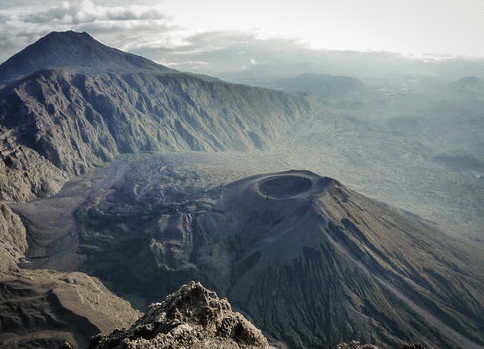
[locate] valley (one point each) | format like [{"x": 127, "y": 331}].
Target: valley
[{"x": 324, "y": 208}]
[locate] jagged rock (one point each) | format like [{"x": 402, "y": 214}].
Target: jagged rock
[
  {"x": 24, "y": 174},
  {"x": 13, "y": 240},
  {"x": 412, "y": 346},
  {"x": 192, "y": 317}
]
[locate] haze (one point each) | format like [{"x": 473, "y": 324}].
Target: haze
[
  {"x": 219, "y": 36},
  {"x": 333, "y": 197},
  {"x": 404, "y": 52}
]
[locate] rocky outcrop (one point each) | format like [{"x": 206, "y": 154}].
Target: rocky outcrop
[
  {"x": 355, "y": 345},
  {"x": 311, "y": 261},
  {"x": 24, "y": 174},
  {"x": 192, "y": 317},
  {"x": 13, "y": 240}
]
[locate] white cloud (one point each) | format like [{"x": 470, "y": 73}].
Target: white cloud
[
  {"x": 210, "y": 37},
  {"x": 225, "y": 50},
  {"x": 87, "y": 12},
  {"x": 118, "y": 26}
]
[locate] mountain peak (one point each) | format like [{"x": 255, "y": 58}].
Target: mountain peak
[
  {"x": 58, "y": 39},
  {"x": 73, "y": 50},
  {"x": 66, "y": 34}
]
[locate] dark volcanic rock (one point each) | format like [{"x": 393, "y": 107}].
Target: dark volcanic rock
[
  {"x": 357, "y": 345},
  {"x": 312, "y": 262},
  {"x": 193, "y": 317},
  {"x": 73, "y": 50}
]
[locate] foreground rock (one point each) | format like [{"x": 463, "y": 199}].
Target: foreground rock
[{"x": 193, "y": 317}]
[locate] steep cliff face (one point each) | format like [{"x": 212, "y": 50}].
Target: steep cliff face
[
  {"x": 24, "y": 174},
  {"x": 77, "y": 121},
  {"x": 13, "y": 241},
  {"x": 311, "y": 261},
  {"x": 80, "y": 103}
]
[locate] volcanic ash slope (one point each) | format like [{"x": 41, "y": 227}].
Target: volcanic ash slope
[
  {"x": 312, "y": 262},
  {"x": 330, "y": 265}
]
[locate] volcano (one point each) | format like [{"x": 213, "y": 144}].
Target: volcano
[
  {"x": 188, "y": 191},
  {"x": 292, "y": 250},
  {"x": 75, "y": 51}
]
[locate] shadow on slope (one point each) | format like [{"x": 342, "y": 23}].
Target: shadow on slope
[{"x": 311, "y": 262}]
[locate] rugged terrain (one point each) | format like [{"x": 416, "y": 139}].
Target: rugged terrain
[
  {"x": 13, "y": 238},
  {"x": 69, "y": 104},
  {"x": 193, "y": 317},
  {"x": 290, "y": 249},
  {"x": 80, "y": 116},
  {"x": 192, "y": 192},
  {"x": 45, "y": 308}
]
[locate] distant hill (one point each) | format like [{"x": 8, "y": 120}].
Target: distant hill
[
  {"x": 321, "y": 85},
  {"x": 470, "y": 86},
  {"x": 73, "y": 50}
]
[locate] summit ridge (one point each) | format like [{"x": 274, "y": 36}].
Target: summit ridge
[{"x": 72, "y": 50}]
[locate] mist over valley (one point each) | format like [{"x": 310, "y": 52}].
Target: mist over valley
[{"x": 326, "y": 207}]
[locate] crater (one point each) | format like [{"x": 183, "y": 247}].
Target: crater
[{"x": 281, "y": 187}]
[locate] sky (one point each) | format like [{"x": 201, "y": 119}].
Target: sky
[{"x": 215, "y": 35}]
